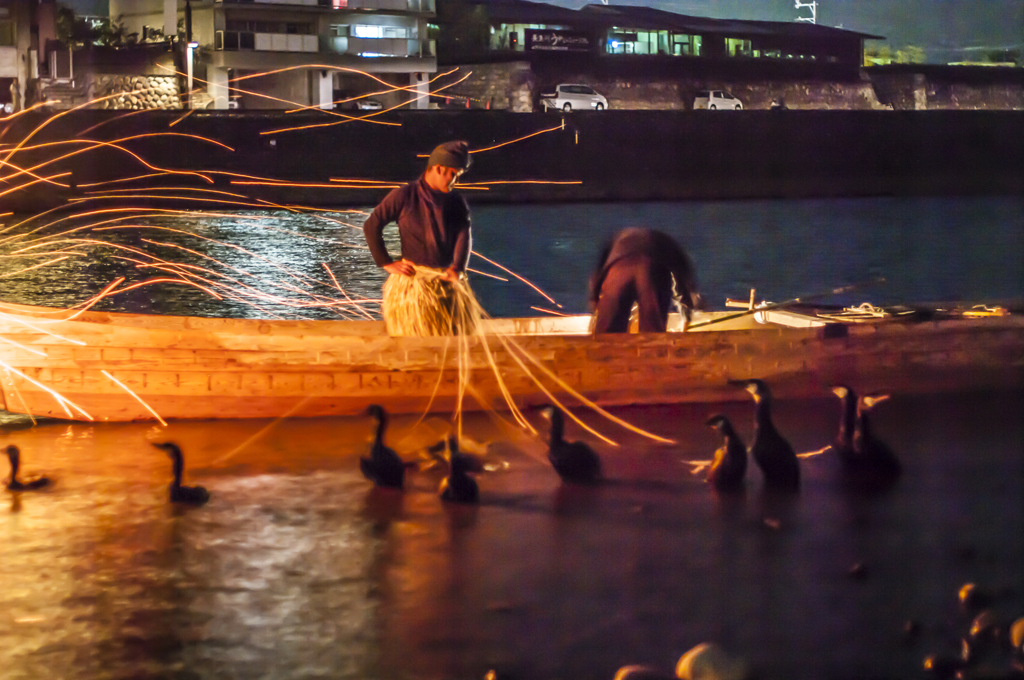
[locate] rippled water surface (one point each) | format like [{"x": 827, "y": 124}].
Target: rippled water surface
[
  {"x": 296, "y": 568},
  {"x": 926, "y": 249}
]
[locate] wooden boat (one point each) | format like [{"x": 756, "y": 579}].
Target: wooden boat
[{"x": 121, "y": 367}]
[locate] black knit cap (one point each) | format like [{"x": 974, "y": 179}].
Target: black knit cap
[{"x": 450, "y": 155}]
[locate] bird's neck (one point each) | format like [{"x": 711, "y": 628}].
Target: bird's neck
[
  {"x": 863, "y": 428},
  {"x": 178, "y": 468},
  {"x": 848, "y": 420},
  {"x": 15, "y": 464},
  {"x": 763, "y": 414},
  {"x": 557, "y": 427},
  {"x": 378, "y": 437}
]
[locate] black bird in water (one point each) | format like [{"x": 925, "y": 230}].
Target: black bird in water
[
  {"x": 14, "y": 456},
  {"x": 458, "y": 486},
  {"x": 383, "y": 467},
  {"x": 192, "y": 495},
  {"x": 861, "y": 453},
  {"x": 770, "y": 450},
  {"x": 730, "y": 463},
  {"x": 573, "y": 461},
  {"x": 843, "y": 443},
  {"x": 872, "y": 455}
]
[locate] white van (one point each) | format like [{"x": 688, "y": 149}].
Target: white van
[
  {"x": 570, "y": 96},
  {"x": 716, "y": 99}
]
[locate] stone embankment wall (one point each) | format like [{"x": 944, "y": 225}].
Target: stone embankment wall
[
  {"x": 615, "y": 155},
  {"x": 510, "y": 86},
  {"x": 516, "y": 87},
  {"x": 919, "y": 92},
  {"x": 137, "y": 92}
]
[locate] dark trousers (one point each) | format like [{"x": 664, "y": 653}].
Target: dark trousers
[{"x": 639, "y": 280}]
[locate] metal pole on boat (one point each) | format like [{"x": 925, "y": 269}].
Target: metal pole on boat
[{"x": 776, "y": 305}]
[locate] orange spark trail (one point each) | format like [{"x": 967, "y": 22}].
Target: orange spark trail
[
  {"x": 546, "y": 296},
  {"x": 395, "y": 88},
  {"x": 21, "y": 346},
  {"x": 338, "y": 286},
  {"x": 40, "y": 330},
  {"x": 35, "y": 266},
  {"x": 550, "y": 311},
  {"x": 37, "y": 181},
  {"x": 313, "y": 185},
  {"x": 60, "y": 399},
  {"x": 111, "y": 120},
  {"x": 137, "y": 397},
  {"x": 116, "y": 144},
  {"x": 493, "y": 276},
  {"x": 464, "y": 185},
  {"x": 367, "y": 116},
  {"x": 513, "y": 141}
]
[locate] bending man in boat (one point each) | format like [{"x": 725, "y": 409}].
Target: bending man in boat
[
  {"x": 426, "y": 290},
  {"x": 639, "y": 266}
]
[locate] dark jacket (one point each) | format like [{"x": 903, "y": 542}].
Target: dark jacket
[
  {"x": 664, "y": 254},
  {"x": 433, "y": 227}
]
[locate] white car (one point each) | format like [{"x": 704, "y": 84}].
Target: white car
[
  {"x": 716, "y": 99},
  {"x": 570, "y": 96}
]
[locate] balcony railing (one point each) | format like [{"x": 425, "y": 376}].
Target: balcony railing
[
  {"x": 379, "y": 47},
  {"x": 424, "y": 6},
  {"x": 266, "y": 42},
  {"x": 420, "y": 6}
]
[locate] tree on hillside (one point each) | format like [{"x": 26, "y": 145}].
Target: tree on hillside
[
  {"x": 911, "y": 54},
  {"x": 464, "y": 31},
  {"x": 75, "y": 31},
  {"x": 875, "y": 56},
  {"x": 1005, "y": 57}
]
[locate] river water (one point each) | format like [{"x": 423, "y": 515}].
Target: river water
[
  {"x": 296, "y": 568},
  {"x": 927, "y": 249}
]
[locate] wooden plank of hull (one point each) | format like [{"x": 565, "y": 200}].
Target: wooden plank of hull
[{"x": 186, "y": 368}]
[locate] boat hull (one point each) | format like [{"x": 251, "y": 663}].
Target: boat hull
[{"x": 123, "y": 367}]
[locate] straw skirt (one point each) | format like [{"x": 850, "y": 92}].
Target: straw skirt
[{"x": 426, "y": 304}]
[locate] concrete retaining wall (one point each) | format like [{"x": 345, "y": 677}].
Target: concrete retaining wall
[
  {"x": 590, "y": 156},
  {"x": 936, "y": 88}
]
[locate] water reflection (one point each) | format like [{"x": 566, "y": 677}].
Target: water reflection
[
  {"x": 298, "y": 568},
  {"x": 927, "y": 249}
]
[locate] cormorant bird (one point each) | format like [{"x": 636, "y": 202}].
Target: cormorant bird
[
  {"x": 458, "y": 486},
  {"x": 872, "y": 455},
  {"x": 14, "y": 456},
  {"x": 194, "y": 495},
  {"x": 730, "y": 463},
  {"x": 383, "y": 467},
  {"x": 843, "y": 443},
  {"x": 573, "y": 461},
  {"x": 770, "y": 450}
]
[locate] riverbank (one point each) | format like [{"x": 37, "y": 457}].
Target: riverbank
[{"x": 315, "y": 159}]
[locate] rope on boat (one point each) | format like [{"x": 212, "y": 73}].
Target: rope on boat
[{"x": 786, "y": 303}]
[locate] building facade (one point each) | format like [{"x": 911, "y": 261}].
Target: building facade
[
  {"x": 274, "y": 54},
  {"x": 21, "y": 24},
  {"x": 519, "y": 27}
]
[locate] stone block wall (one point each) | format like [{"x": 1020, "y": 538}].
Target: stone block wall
[
  {"x": 507, "y": 85},
  {"x": 514, "y": 86},
  {"x": 136, "y": 92}
]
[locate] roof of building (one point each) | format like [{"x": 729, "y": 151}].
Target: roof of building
[{"x": 630, "y": 16}]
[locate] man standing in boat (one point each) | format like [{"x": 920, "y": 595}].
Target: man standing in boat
[
  {"x": 638, "y": 266},
  {"x": 426, "y": 291}
]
